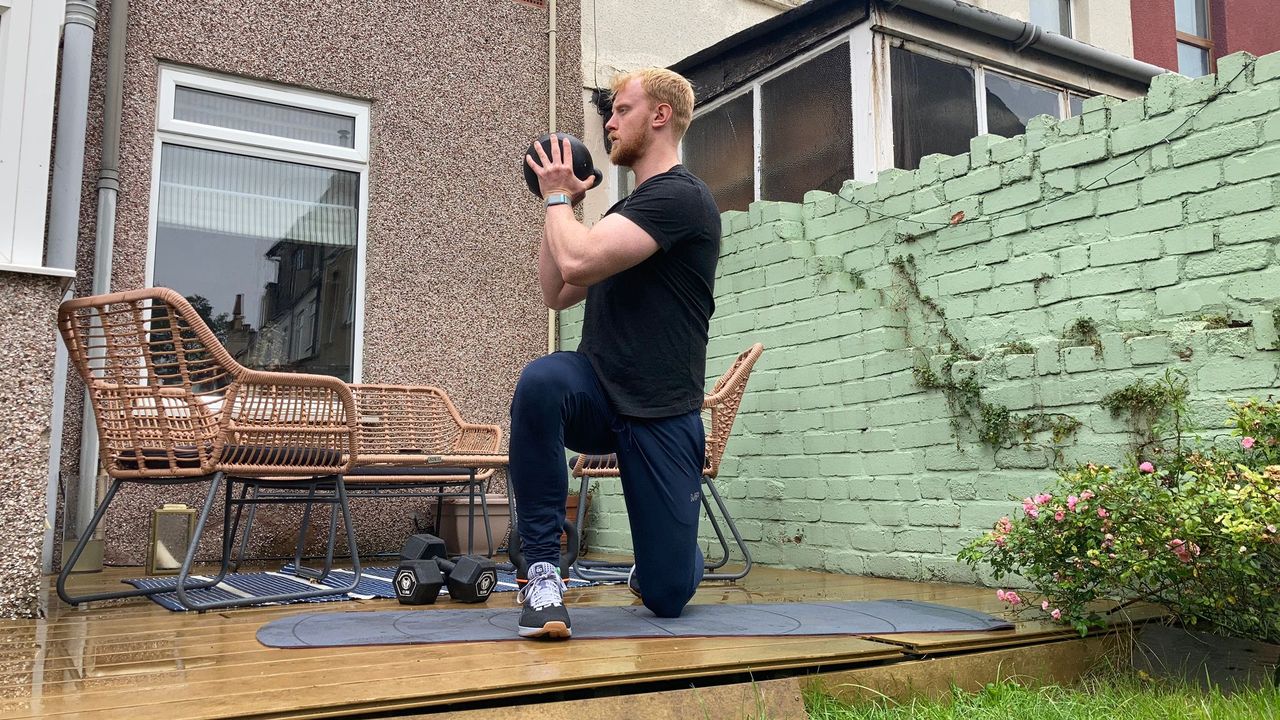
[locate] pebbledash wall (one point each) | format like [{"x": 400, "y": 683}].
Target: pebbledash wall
[{"x": 842, "y": 461}]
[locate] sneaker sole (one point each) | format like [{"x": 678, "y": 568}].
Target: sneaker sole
[{"x": 554, "y": 629}]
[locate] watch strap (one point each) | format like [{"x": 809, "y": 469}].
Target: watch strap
[{"x": 558, "y": 198}]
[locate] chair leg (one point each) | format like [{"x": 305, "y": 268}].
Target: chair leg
[
  {"x": 594, "y": 569},
  {"x": 737, "y": 537},
  {"x": 484, "y": 510},
  {"x": 341, "y": 499},
  {"x": 70, "y": 561},
  {"x": 715, "y": 526},
  {"x": 248, "y": 525}
]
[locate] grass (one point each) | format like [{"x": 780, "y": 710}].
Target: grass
[{"x": 1114, "y": 698}]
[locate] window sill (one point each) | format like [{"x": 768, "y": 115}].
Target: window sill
[{"x": 37, "y": 270}]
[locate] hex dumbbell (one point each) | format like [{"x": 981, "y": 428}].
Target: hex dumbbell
[
  {"x": 418, "y": 582},
  {"x": 471, "y": 579}
]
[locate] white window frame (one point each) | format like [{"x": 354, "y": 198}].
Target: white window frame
[
  {"x": 208, "y": 137},
  {"x": 30, "y": 31},
  {"x": 1071, "y": 17},
  {"x": 756, "y": 100}
]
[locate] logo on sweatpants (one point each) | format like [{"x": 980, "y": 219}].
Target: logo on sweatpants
[{"x": 695, "y": 497}]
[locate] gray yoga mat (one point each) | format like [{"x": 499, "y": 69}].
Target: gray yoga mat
[{"x": 409, "y": 627}]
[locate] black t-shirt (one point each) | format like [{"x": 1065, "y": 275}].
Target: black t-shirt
[{"x": 645, "y": 329}]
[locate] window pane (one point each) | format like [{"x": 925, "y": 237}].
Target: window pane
[
  {"x": 1012, "y": 102},
  {"x": 1192, "y": 61},
  {"x": 719, "y": 147},
  {"x": 1192, "y": 17},
  {"x": 1052, "y": 15},
  {"x": 1076, "y": 103},
  {"x": 807, "y": 136},
  {"x": 934, "y": 110},
  {"x": 265, "y": 118},
  {"x": 265, "y": 250}
]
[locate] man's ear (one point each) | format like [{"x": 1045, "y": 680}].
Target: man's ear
[{"x": 662, "y": 115}]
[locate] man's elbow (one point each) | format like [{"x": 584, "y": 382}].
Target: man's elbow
[{"x": 578, "y": 273}]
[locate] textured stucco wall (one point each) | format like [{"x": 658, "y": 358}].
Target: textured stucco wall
[
  {"x": 27, "y": 325},
  {"x": 458, "y": 90},
  {"x": 841, "y": 460}
]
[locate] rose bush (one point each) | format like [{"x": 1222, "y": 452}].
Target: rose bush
[{"x": 1200, "y": 541}]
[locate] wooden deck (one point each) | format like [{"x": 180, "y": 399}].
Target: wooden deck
[{"x": 135, "y": 659}]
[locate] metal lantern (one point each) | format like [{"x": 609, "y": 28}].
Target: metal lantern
[{"x": 172, "y": 529}]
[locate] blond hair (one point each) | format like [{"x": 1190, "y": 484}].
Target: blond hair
[{"x": 661, "y": 85}]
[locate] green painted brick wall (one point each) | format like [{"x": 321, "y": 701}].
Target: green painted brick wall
[{"x": 840, "y": 461}]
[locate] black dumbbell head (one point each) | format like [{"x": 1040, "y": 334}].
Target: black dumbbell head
[
  {"x": 422, "y": 547},
  {"x": 417, "y": 582},
  {"x": 583, "y": 166},
  {"x": 471, "y": 579}
]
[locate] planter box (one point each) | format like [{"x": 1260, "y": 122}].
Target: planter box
[
  {"x": 1204, "y": 659},
  {"x": 453, "y": 524}
]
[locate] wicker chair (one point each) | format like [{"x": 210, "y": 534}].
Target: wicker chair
[
  {"x": 172, "y": 407},
  {"x": 413, "y": 443},
  {"x": 723, "y": 402}
]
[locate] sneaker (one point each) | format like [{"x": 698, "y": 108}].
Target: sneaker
[
  {"x": 633, "y": 582},
  {"x": 544, "y": 613}
]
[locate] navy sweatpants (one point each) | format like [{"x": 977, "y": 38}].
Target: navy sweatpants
[{"x": 560, "y": 404}]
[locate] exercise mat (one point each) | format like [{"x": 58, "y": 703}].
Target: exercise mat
[{"x": 442, "y": 626}]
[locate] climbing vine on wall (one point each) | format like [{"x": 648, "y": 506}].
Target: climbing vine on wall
[{"x": 995, "y": 425}]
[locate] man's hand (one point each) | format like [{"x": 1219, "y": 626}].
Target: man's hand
[{"x": 555, "y": 174}]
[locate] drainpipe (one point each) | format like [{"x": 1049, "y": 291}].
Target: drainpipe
[
  {"x": 1024, "y": 35},
  {"x": 92, "y": 479},
  {"x": 552, "y": 316},
  {"x": 66, "y": 183}
]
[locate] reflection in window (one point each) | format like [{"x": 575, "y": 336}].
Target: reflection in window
[
  {"x": 265, "y": 249},
  {"x": 1012, "y": 102},
  {"x": 1192, "y": 17},
  {"x": 934, "y": 110},
  {"x": 806, "y": 116},
  {"x": 262, "y": 117},
  {"x": 719, "y": 147},
  {"x": 1052, "y": 15}
]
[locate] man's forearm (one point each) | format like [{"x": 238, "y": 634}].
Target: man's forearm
[
  {"x": 567, "y": 241},
  {"x": 556, "y": 293}
]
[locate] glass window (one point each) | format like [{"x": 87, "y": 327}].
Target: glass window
[
  {"x": 265, "y": 118},
  {"x": 719, "y": 147},
  {"x": 1192, "y": 61},
  {"x": 1052, "y": 15},
  {"x": 806, "y": 138},
  {"x": 265, "y": 248},
  {"x": 1075, "y": 103},
  {"x": 1192, "y": 17},
  {"x": 934, "y": 107},
  {"x": 1012, "y": 102}
]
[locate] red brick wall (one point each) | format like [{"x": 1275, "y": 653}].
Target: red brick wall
[{"x": 1235, "y": 25}]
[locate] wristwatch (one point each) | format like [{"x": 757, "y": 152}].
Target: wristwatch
[{"x": 558, "y": 199}]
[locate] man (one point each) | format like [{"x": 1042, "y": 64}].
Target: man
[{"x": 634, "y": 387}]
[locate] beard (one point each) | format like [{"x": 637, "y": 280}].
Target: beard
[{"x": 625, "y": 154}]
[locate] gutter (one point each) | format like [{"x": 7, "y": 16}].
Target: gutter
[{"x": 1025, "y": 35}]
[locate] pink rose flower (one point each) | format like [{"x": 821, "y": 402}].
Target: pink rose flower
[
  {"x": 1086, "y": 494},
  {"x": 1071, "y": 502},
  {"x": 1246, "y": 442},
  {"x": 1057, "y": 614},
  {"x": 1102, "y": 512},
  {"x": 1044, "y": 605},
  {"x": 1012, "y": 598},
  {"x": 1059, "y": 516},
  {"x": 1000, "y": 595},
  {"x": 1147, "y": 467},
  {"x": 1043, "y": 498}
]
